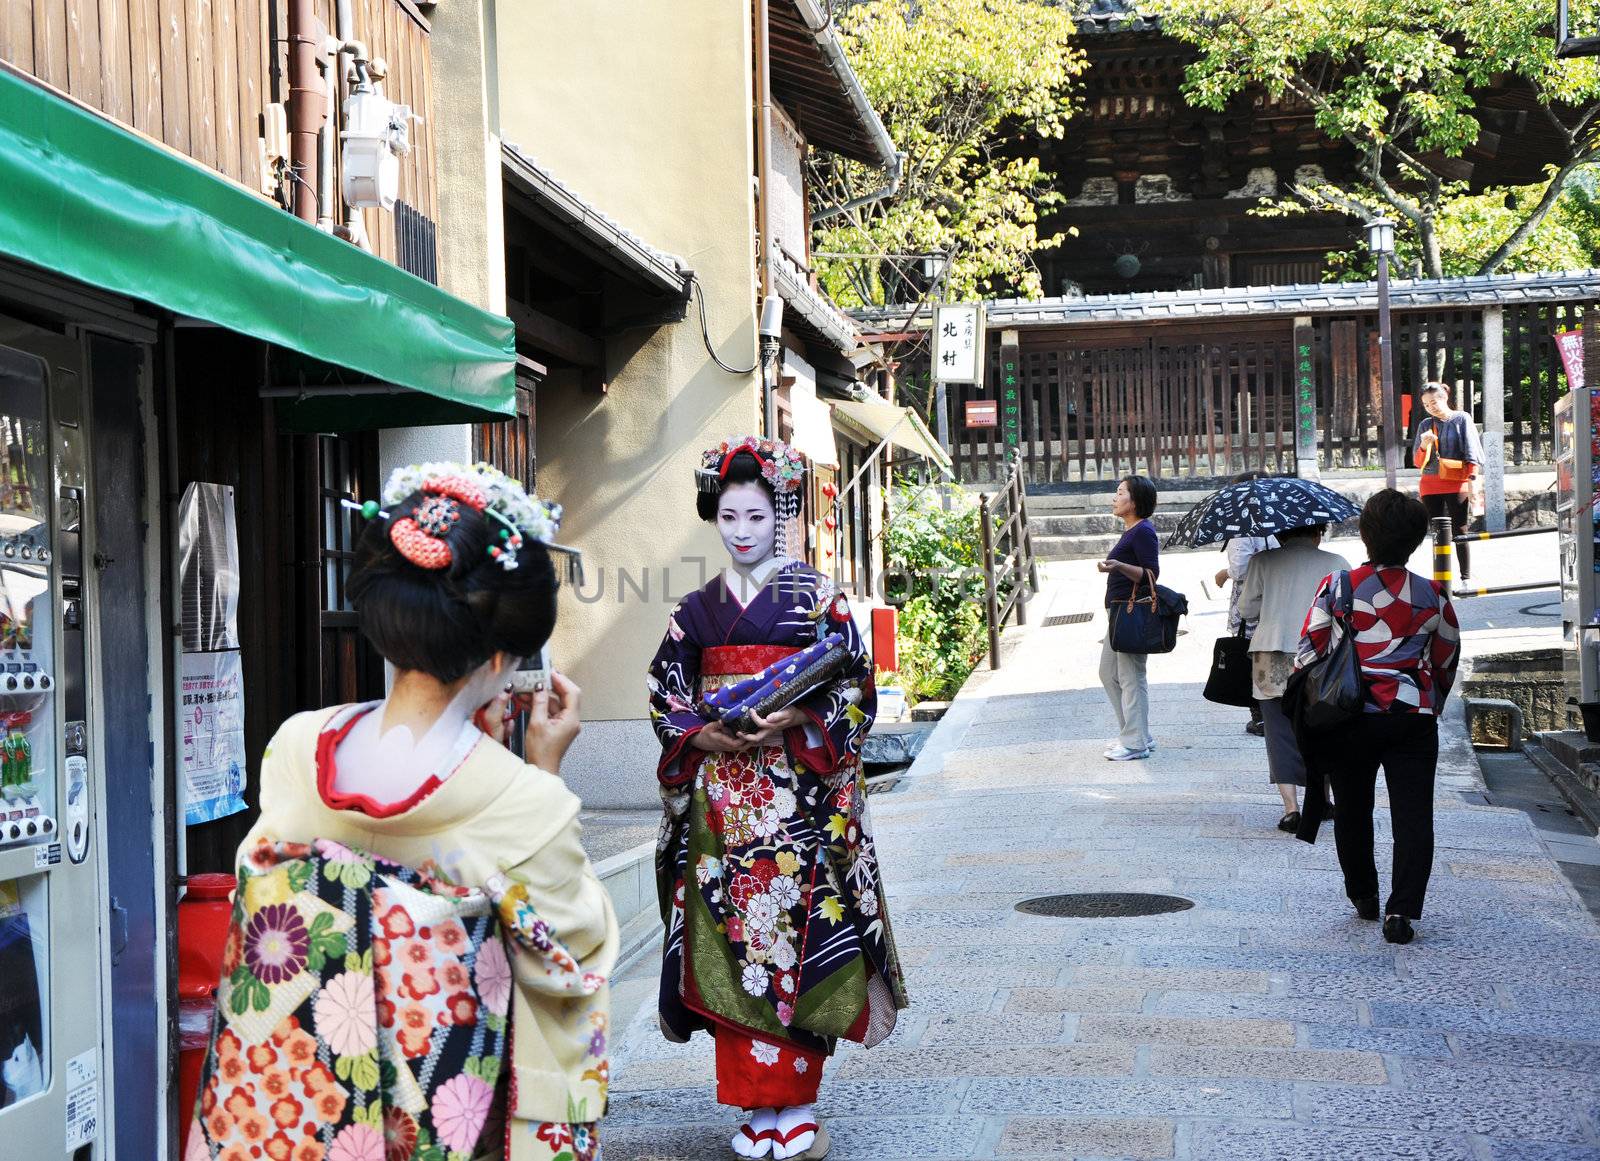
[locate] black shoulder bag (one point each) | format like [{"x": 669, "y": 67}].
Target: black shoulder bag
[{"x": 1331, "y": 691}]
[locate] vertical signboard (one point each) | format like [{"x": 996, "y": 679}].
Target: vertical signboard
[
  {"x": 958, "y": 343},
  {"x": 1010, "y": 393},
  {"x": 1305, "y": 402}
]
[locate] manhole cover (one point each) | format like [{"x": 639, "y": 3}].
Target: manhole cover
[
  {"x": 1102, "y": 905},
  {"x": 1067, "y": 619}
]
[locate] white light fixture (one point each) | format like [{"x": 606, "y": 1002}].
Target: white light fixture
[{"x": 1380, "y": 235}]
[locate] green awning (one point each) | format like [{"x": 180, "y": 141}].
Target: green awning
[{"x": 85, "y": 198}]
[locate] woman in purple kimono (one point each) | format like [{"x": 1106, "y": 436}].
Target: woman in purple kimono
[{"x": 778, "y": 941}]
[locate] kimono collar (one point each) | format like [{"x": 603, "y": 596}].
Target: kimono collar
[{"x": 759, "y": 576}]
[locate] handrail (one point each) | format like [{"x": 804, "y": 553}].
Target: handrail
[{"x": 1007, "y": 554}]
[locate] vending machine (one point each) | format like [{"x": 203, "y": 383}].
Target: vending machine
[{"x": 51, "y": 939}]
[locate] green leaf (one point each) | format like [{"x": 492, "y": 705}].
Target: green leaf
[{"x": 364, "y": 1071}]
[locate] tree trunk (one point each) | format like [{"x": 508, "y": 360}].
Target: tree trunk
[{"x": 1428, "y": 236}]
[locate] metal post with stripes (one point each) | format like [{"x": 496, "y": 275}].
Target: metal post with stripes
[{"x": 1443, "y": 547}]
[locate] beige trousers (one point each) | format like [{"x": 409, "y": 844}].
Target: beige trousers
[{"x": 1122, "y": 676}]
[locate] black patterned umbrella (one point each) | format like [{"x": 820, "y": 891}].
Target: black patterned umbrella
[{"x": 1261, "y": 507}]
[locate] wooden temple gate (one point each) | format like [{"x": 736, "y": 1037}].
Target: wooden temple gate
[{"x": 1208, "y": 399}]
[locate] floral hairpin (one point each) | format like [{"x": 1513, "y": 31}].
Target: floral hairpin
[
  {"x": 781, "y": 465},
  {"x": 421, "y": 537}
]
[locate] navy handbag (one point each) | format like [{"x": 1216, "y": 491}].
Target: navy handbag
[{"x": 1148, "y": 623}]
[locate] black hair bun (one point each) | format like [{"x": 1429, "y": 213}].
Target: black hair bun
[{"x": 447, "y": 622}]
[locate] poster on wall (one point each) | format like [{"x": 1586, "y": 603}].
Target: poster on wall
[
  {"x": 22, "y": 1048},
  {"x": 211, "y": 725}
]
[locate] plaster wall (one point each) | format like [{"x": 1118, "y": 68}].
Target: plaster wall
[
  {"x": 470, "y": 231},
  {"x": 644, "y": 110}
]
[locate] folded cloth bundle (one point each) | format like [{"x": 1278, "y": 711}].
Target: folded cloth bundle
[{"x": 777, "y": 686}]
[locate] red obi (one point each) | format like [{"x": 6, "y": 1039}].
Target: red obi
[{"x": 741, "y": 660}]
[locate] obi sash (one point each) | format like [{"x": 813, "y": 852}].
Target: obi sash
[{"x": 741, "y": 660}]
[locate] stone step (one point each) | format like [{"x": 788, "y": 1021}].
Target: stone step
[{"x": 1092, "y": 524}]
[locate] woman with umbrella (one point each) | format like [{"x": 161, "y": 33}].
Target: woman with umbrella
[{"x": 1278, "y": 590}]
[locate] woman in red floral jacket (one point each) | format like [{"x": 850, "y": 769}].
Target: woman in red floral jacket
[{"x": 1409, "y": 643}]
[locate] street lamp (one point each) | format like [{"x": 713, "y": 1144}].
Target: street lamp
[{"x": 1380, "y": 239}]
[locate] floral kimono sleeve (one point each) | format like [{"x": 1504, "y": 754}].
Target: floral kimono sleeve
[
  {"x": 673, "y": 681},
  {"x": 841, "y": 712},
  {"x": 562, "y": 935}
]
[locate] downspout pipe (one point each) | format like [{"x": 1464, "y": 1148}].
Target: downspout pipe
[
  {"x": 769, "y": 347},
  {"x": 764, "y": 142},
  {"x": 307, "y": 107}
]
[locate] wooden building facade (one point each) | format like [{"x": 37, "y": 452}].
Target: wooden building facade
[
  {"x": 1204, "y": 384},
  {"x": 200, "y": 75},
  {"x": 1161, "y": 192}
]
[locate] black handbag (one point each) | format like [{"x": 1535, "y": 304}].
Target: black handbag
[
  {"x": 1147, "y": 624},
  {"x": 1229, "y": 681},
  {"x": 1331, "y": 690}
]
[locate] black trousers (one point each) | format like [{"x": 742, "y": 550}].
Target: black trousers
[
  {"x": 1407, "y": 747},
  {"x": 1453, "y": 505}
]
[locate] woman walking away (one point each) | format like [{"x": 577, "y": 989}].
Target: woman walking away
[
  {"x": 1278, "y": 590},
  {"x": 778, "y": 940},
  {"x": 1238, "y": 551},
  {"x": 1408, "y": 643},
  {"x": 1122, "y": 674},
  {"x": 369, "y": 1000},
  {"x": 1449, "y": 451}
]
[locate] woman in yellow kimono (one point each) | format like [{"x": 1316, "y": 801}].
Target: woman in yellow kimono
[{"x": 454, "y": 585}]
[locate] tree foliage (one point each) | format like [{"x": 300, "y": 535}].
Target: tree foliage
[
  {"x": 1399, "y": 81},
  {"x": 960, "y": 85}
]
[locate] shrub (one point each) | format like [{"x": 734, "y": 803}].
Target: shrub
[{"x": 936, "y": 579}]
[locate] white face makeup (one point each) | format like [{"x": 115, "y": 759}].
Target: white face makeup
[{"x": 747, "y": 524}]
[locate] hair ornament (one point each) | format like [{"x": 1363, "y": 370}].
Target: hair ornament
[
  {"x": 421, "y": 547},
  {"x": 781, "y": 465},
  {"x": 421, "y": 536}
]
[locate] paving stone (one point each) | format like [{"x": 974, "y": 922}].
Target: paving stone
[
  {"x": 1460, "y": 1016},
  {"x": 1220, "y": 1141},
  {"x": 1530, "y": 1051},
  {"x": 644, "y": 1075},
  {"x": 872, "y": 1137},
  {"x": 1252, "y": 1007},
  {"x": 1179, "y": 1030},
  {"x": 1267, "y": 959},
  {"x": 1044, "y": 1026},
  {"x": 1269, "y": 1064},
  {"x": 1424, "y": 1112},
  {"x": 1399, "y": 1041},
  {"x": 1015, "y": 859},
  {"x": 1131, "y": 1137},
  {"x": 1505, "y": 870},
  {"x": 1539, "y": 1151},
  {"x": 1467, "y": 1077},
  {"x": 1077, "y": 999},
  {"x": 1003, "y": 1060},
  {"x": 1186, "y": 979},
  {"x": 1143, "y": 1098}
]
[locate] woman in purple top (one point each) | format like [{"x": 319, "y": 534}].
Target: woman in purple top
[{"x": 1122, "y": 674}]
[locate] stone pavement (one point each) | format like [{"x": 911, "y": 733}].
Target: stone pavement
[{"x": 1267, "y": 1022}]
